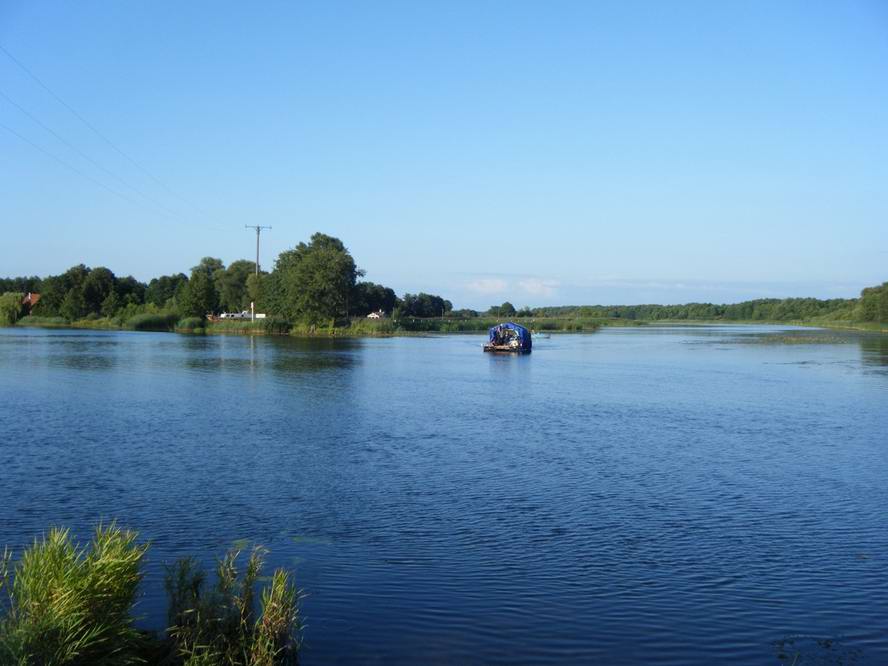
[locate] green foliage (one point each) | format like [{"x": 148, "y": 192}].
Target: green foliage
[
  {"x": 153, "y": 322},
  {"x": 72, "y": 605},
  {"x": 165, "y": 288},
  {"x": 192, "y": 324},
  {"x": 364, "y": 326},
  {"x": 10, "y": 308},
  {"x": 369, "y": 297},
  {"x": 236, "y": 326},
  {"x": 231, "y": 285},
  {"x": 276, "y": 326},
  {"x": 199, "y": 297},
  {"x": 22, "y": 284},
  {"x": 883, "y": 304},
  {"x": 424, "y": 305},
  {"x": 98, "y": 286},
  {"x": 69, "y": 605},
  {"x": 504, "y": 310},
  {"x": 773, "y": 309},
  {"x": 219, "y": 626},
  {"x": 35, "y": 320},
  {"x": 256, "y": 287},
  {"x": 73, "y": 306},
  {"x": 313, "y": 281}
]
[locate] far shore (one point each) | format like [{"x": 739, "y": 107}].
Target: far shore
[{"x": 415, "y": 327}]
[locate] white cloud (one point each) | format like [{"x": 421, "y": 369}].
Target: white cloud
[
  {"x": 538, "y": 287},
  {"x": 487, "y": 286}
]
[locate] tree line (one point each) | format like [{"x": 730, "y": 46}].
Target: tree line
[
  {"x": 872, "y": 306},
  {"x": 314, "y": 282},
  {"x": 318, "y": 282}
]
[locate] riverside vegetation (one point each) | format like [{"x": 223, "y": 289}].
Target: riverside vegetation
[
  {"x": 314, "y": 290},
  {"x": 72, "y": 605}
]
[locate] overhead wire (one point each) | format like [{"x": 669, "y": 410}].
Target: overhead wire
[
  {"x": 69, "y": 166},
  {"x": 84, "y": 155},
  {"x": 98, "y": 133}
]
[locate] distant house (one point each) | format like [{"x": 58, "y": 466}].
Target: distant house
[
  {"x": 379, "y": 314},
  {"x": 30, "y": 301}
]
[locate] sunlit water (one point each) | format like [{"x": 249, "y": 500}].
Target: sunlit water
[{"x": 637, "y": 496}]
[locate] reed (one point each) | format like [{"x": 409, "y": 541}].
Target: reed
[
  {"x": 69, "y": 605},
  {"x": 153, "y": 321},
  {"x": 218, "y": 625},
  {"x": 192, "y": 324},
  {"x": 72, "y": 605},
  {"x": 35, "y": 320}
]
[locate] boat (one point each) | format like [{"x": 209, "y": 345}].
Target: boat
[{"x": 509, "y": 338}]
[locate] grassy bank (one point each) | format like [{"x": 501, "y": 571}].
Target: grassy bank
[
  {"x": 363, "y": 327},
  {"x": 73, "y": 604}
]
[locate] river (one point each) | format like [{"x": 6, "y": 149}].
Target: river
[{"x": 649, "y": 495}]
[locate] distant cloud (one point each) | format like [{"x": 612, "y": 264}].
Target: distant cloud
[
  {"x": 488, "y": 286},
  {"x": 538, "y": 287}
]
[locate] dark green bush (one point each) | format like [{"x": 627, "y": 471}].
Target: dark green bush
[
  {"x": 192, "y": 323},
  {"x": 153, "y": 322},
  {"x": 276, "y": 326}
]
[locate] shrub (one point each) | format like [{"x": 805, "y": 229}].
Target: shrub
[
  {"x": 276, "y": 326},
  {"x": 219, "y": 625},
  {"x": 192, "y": 323},
  {"x": 153, "y": 322},
  {"x": 72, "y": 605}
]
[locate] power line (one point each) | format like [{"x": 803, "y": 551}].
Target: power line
[
  {"x": 68, "y": 166},
  {"x": 144, "y": 170},
  {"x": 82, "y": 154}
]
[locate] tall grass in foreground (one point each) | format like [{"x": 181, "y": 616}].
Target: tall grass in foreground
[
  {"x": 218, "y": 625},
  {"x": 73, "y": 605}
]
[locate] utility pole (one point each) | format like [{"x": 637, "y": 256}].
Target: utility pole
[{"x": 258, "y": 229}]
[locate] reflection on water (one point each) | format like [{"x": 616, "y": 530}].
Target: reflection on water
[
  {"x": 656, "y": 495},
  {"x": 874, "y": 349}
]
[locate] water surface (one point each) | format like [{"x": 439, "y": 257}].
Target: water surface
[{"x": 685, "y": 495}]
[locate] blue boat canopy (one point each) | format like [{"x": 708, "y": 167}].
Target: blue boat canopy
[{"x": 498, "y": 332}]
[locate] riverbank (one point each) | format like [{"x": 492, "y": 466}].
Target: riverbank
[
  {"x": 356, "y": 327},
  {"x": 360, "y": 327}
]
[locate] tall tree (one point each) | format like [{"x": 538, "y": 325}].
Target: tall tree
[
  {"x": 424, "y": 305},
  {"x": 232, "y": 285},
  {"x": 166, "y": 287},
  {"x": 370, "y": 297},
  {"x": 97, "y": 285},
  {"x": 10, "y": 307},
  {"x": 200, "y": 296},
  {"x": 73, "y": 307},
  {"x": 313, "y": 281}
]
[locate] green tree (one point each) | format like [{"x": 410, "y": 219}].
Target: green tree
[
  {"x": 199, "y": 297},
  {"x": 97, "y": 285},
  {"x": 231, "y": 284},
  {"x": 256, "y": 290},
  {"x": 164, "y": 288},
  {"x": 369, "y": 297},
  {"x": 313, "y": 281},
  {"x": 507, "y": 309},
  {"x": 73, "y": 307},
  {"x": 10, "y": 307},
  {"x": 883, "y": 303},
  {"x": 424, "y": 305}
]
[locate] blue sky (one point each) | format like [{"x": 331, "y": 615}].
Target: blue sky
[{"x": 545, "y": 153}]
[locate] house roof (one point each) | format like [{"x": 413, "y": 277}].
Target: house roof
[{"x": 31, "y": 299}]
